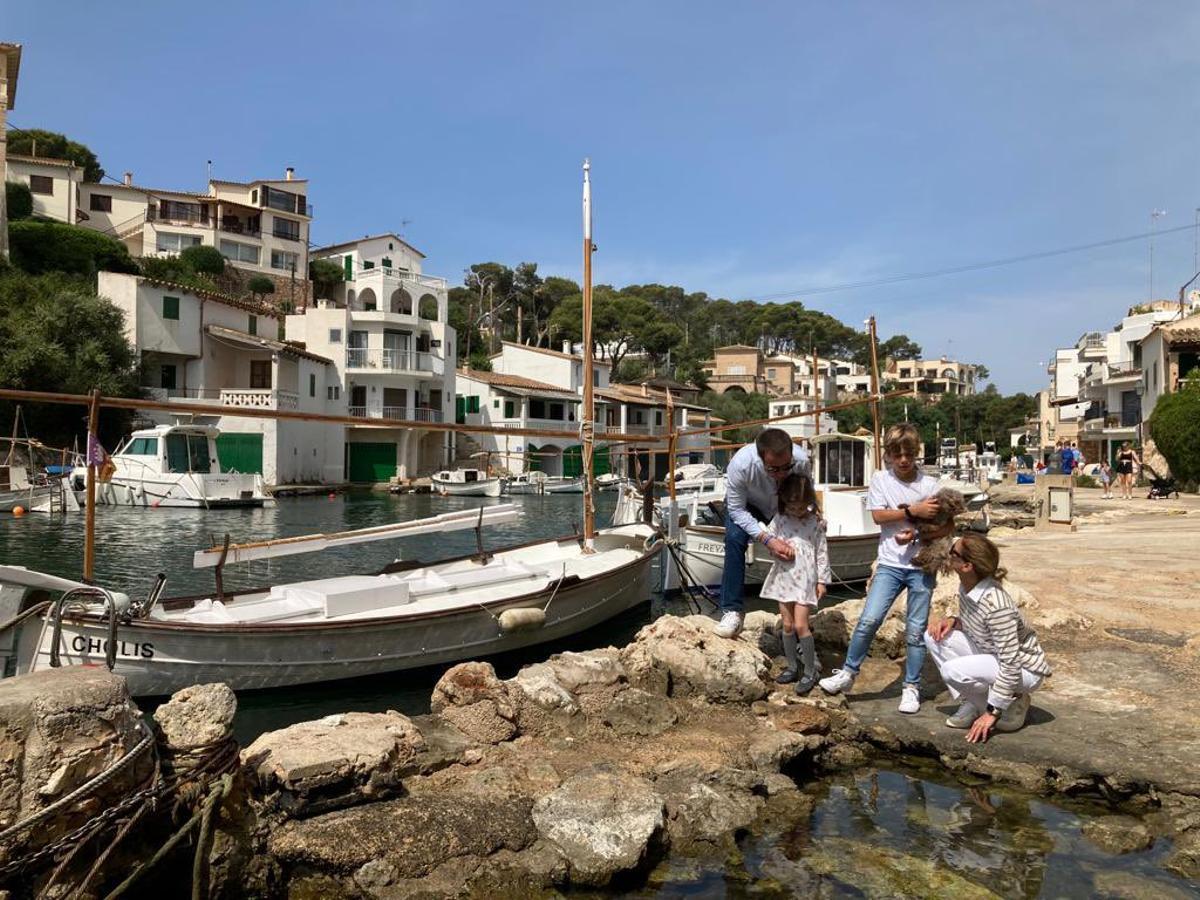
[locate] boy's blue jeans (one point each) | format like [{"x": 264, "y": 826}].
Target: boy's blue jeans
[{"x": 885, "y": 588}]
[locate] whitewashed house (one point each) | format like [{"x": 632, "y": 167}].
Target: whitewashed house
[
  {"x": 499, "y": 400},
  {"x": 386, "y": 329},
  {"x": 197, "y": 347}
]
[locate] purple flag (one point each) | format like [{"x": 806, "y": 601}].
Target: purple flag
[{"x": 95, "y": 452}]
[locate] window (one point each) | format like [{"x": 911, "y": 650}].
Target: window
[
  {"x": 658, "y": 417},
  {"x": 771, "y": 374},
  {"x": 236, "y": 252},
  {"x": 166, "y": 376},
  {"x": 368, "y": 264},
  {"x": 174, "y": 242},
  {"x": 387, "y": 263},
  {"x": 142, "y": 447},
  {"x": 537, "y": 409},
  {"x": 312, "y": 385},
  {"x": 496, "y": 403},
  {"x": 260, "y": 374},
  {"x": 333, "y": 392},
  {"x": 178, "y": 211},
  {"x": 595, "y": 378},
  {"x": 282, "y": 259},
  {"x": 171, "y": 308},
  {"x": 283, "y": 200},
  {"x": 557, "y": 411},
  {"x": 41, "y": 184},
  {"x": 100, "y": 203},
  {"x": 510, "y": 409},
  {"x": 737, "y": 370},
  {"x": 335, "y": 335},
  {"x": 473, "y": 403},
  {"x": 252, "y": 325},
  {"x": 285, "y": 228}
]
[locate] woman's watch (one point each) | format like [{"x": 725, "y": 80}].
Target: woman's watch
[{"x": 994, "y": 711}]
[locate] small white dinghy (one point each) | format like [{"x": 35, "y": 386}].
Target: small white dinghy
[
  {"x": 465, "y": 483},
  {"x": 406, "y": 616}
]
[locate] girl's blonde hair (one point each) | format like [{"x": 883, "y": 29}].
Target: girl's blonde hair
[
  {"x": 902, "y": 437},
  {"x": 982, "y": 554},
  {"x": 797, "y": 492}
]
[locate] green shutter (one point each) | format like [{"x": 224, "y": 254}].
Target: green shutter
[
  {"x": 460, "y": 409},
  {"x": 252, "y": 325},
  {"x": 348, "y": 267},
  {"x": 170, "y": 307}
]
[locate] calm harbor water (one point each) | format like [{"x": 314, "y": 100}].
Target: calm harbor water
[{"x": 914, "y": 831}]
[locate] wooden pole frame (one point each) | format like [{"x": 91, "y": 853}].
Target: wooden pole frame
[
  {"x": 89, "y": 535},
  {"x": 588, "y": 412},
  {"x": 875, "y": 392}
]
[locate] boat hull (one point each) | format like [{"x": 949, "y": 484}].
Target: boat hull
[
  {"x": 157, "y": 658},
  {"x": 215, "y": 492},
  {"x": 489, "y": 488},
  {"x": 29, "y": 499},
  {"x": 702, "y": 549}
]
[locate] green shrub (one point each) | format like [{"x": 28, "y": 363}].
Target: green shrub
[
  {"x": 260, "y": 285},
  {"x": 203, "y": 259},
  {"x": 1086, "y": 481},
  {"x": 1175, "y": 427},
  {"x": 18, "y": 199},
  {"x": 325, "y": 275},
  {"x": 40, "y": 247}
]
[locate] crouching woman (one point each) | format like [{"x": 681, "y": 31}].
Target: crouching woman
[{"x": 988, "y": 657}]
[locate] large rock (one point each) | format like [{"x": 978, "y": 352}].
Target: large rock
[
  {"x": 59, "y": 728},
  {"x": 1118, "y": 834},
  {"x": 475, "y": 701},
  {"x": 604, "y": 823},
  {"x": 761, "y": 629},
  {"x": 833, "y": 626},
  {"x": 684, "y": 658},
  {"x": 588, "y": 672},
  {"x": 406, "y": 837},
  {"x": 637, "y": 712},
  {"x": 339, "y": 760},
  {"x": 542, "y": 704},
  {"x": 197, "y": 716}
]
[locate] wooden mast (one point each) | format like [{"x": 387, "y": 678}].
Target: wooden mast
[
  {"x": 89, "y": 532},
  {"x": 875, "y": 393},
  {"x": 589, "y": 410}
]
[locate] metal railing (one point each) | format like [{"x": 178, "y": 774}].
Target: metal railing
[
  {"x": 420, "y": 414},
  {"x": 388, "y": 360}
]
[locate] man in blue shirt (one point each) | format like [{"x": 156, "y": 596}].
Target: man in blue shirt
[{"x": 752, "y": 479}]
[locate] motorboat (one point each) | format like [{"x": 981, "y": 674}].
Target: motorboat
[
  {"x": 530, "y": 482},
  {"x": 465, "y": 483},
  {"x": 695, "y": 477},
  {"x": 842, "y": 468},
  {"x": 406, "y": 615},
  {"x": 173, "y": 466}
]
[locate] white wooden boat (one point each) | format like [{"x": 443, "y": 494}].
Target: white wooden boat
[
  {"x": 609, "y": 481},
  {"x": 530, "y": 482},
  {"x": 465, "y": 483},
  {"x": 406, "y": 616},
  {"x": 563, "y": 485},
  {"x": 173, "y": 466},
  {"x": 37, "y": 494}
]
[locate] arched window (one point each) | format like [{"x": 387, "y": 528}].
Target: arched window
[
  {"x": 428, "y": 307},
  {"x": 401, "y": 302},
  {"x": 366, "y": 300}
]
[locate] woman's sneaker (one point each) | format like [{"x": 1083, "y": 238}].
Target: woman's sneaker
[
  {"x": 1014, "y": 717},
  {"x": 839, "y": 682},
  {"x": 910, "y": 699},
  {"x": 965, "y": 717},
  {"x": 787, "y": 676},
  {"x": 730, "y": 625}
]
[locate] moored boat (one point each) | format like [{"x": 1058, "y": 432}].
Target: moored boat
[
  {"x": 465, "y": 483},
  {"x": 173, "y": 466}
]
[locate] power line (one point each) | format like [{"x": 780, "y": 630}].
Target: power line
[{"x": 969, "y": 267}]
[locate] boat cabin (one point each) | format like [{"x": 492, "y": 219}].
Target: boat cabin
[
  {"x": 842, "y": 460},
  {"x": 172, "y": 449}
]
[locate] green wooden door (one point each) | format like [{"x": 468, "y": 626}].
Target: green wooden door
[
  {"x": 573, "y": 461},
  {"x": 240, "y": 452},
  {"x": 372, "y": 461}
]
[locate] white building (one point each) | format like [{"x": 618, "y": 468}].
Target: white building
[
  {"x": 385, "y": 329},
  {"x": 499, "y": 400},
  {"x": 261, "y": 226},
  {"x": 196, "y": 347},
  {"x": 804, "y": 422}
]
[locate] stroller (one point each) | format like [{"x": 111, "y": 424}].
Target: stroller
[{"x": 1161, "y": 488}]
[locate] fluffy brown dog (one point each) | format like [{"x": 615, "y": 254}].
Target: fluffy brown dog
[{"x": 935, "y": 537}]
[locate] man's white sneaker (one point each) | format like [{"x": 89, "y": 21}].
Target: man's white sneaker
[
  {"x": 1013, "y": 718},
  {"x": 840, "y": 681},
  {"x": 730, "y": 625},
  {"x": 965, "y": 717},
  {"x": 910, "y": 699}
]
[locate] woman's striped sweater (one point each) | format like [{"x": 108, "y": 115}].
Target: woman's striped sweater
[{"x": 990, "y": 618}]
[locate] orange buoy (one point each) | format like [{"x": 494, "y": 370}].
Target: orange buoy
[
  {"x": 333, "y": 496},
  {"x": 18, "y": 511}
]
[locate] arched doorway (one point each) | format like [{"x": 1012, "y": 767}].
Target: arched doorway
[
  {"x": 428, "y": 307},
  {"x": 367, "y": 301},
  {"x": 401, "y": 302}
]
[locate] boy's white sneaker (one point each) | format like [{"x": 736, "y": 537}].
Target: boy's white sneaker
[
  {"x": 1013, "y": 718},
  {"x": 730, "y": 625},
  {"x": 910, "y": 699},
  {"x": 965, "y": 717},
  {"x": 840, "y": 681}
]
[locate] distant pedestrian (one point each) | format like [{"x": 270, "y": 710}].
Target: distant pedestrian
[
  {"x": 1055, "y": 465},
  {"x": 1106, "y": 477},
  {"x": 988, "y": 657},
  {"x": 799, "y": 583},
  {"x": 752, "y": 482},
  {"x": 898, "y": 498},
  {"x": 1068, "y": 459},
  {"x": 1127, "y": 458}
]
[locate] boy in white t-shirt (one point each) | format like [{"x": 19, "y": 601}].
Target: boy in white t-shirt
[{"x": 897, "y": 498}]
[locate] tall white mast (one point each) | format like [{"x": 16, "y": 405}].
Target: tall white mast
[{"x": 588, "y": 413}]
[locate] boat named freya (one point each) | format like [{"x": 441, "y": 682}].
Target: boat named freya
[
  {"x": 173, "y": 466},
  {"x": 465, "y": 483}
]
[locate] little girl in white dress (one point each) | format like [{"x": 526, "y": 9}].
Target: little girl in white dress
[{"x": 798, "y": 583}]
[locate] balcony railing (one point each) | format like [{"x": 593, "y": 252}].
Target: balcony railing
[
  {"x": 232, "y": 226},
  {"x": 394, "y": 360},
  {"x": 162, "y": 393},
  {"x": 260, "y": 398},
  {"x": 420, "y": 414},
  {"x": 427, "y": 281}
]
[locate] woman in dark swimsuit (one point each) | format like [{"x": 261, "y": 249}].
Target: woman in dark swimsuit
[{"x": 1126, "y": 457}]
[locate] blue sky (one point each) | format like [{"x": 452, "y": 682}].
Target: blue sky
[{"x": 739, "y": 149}]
